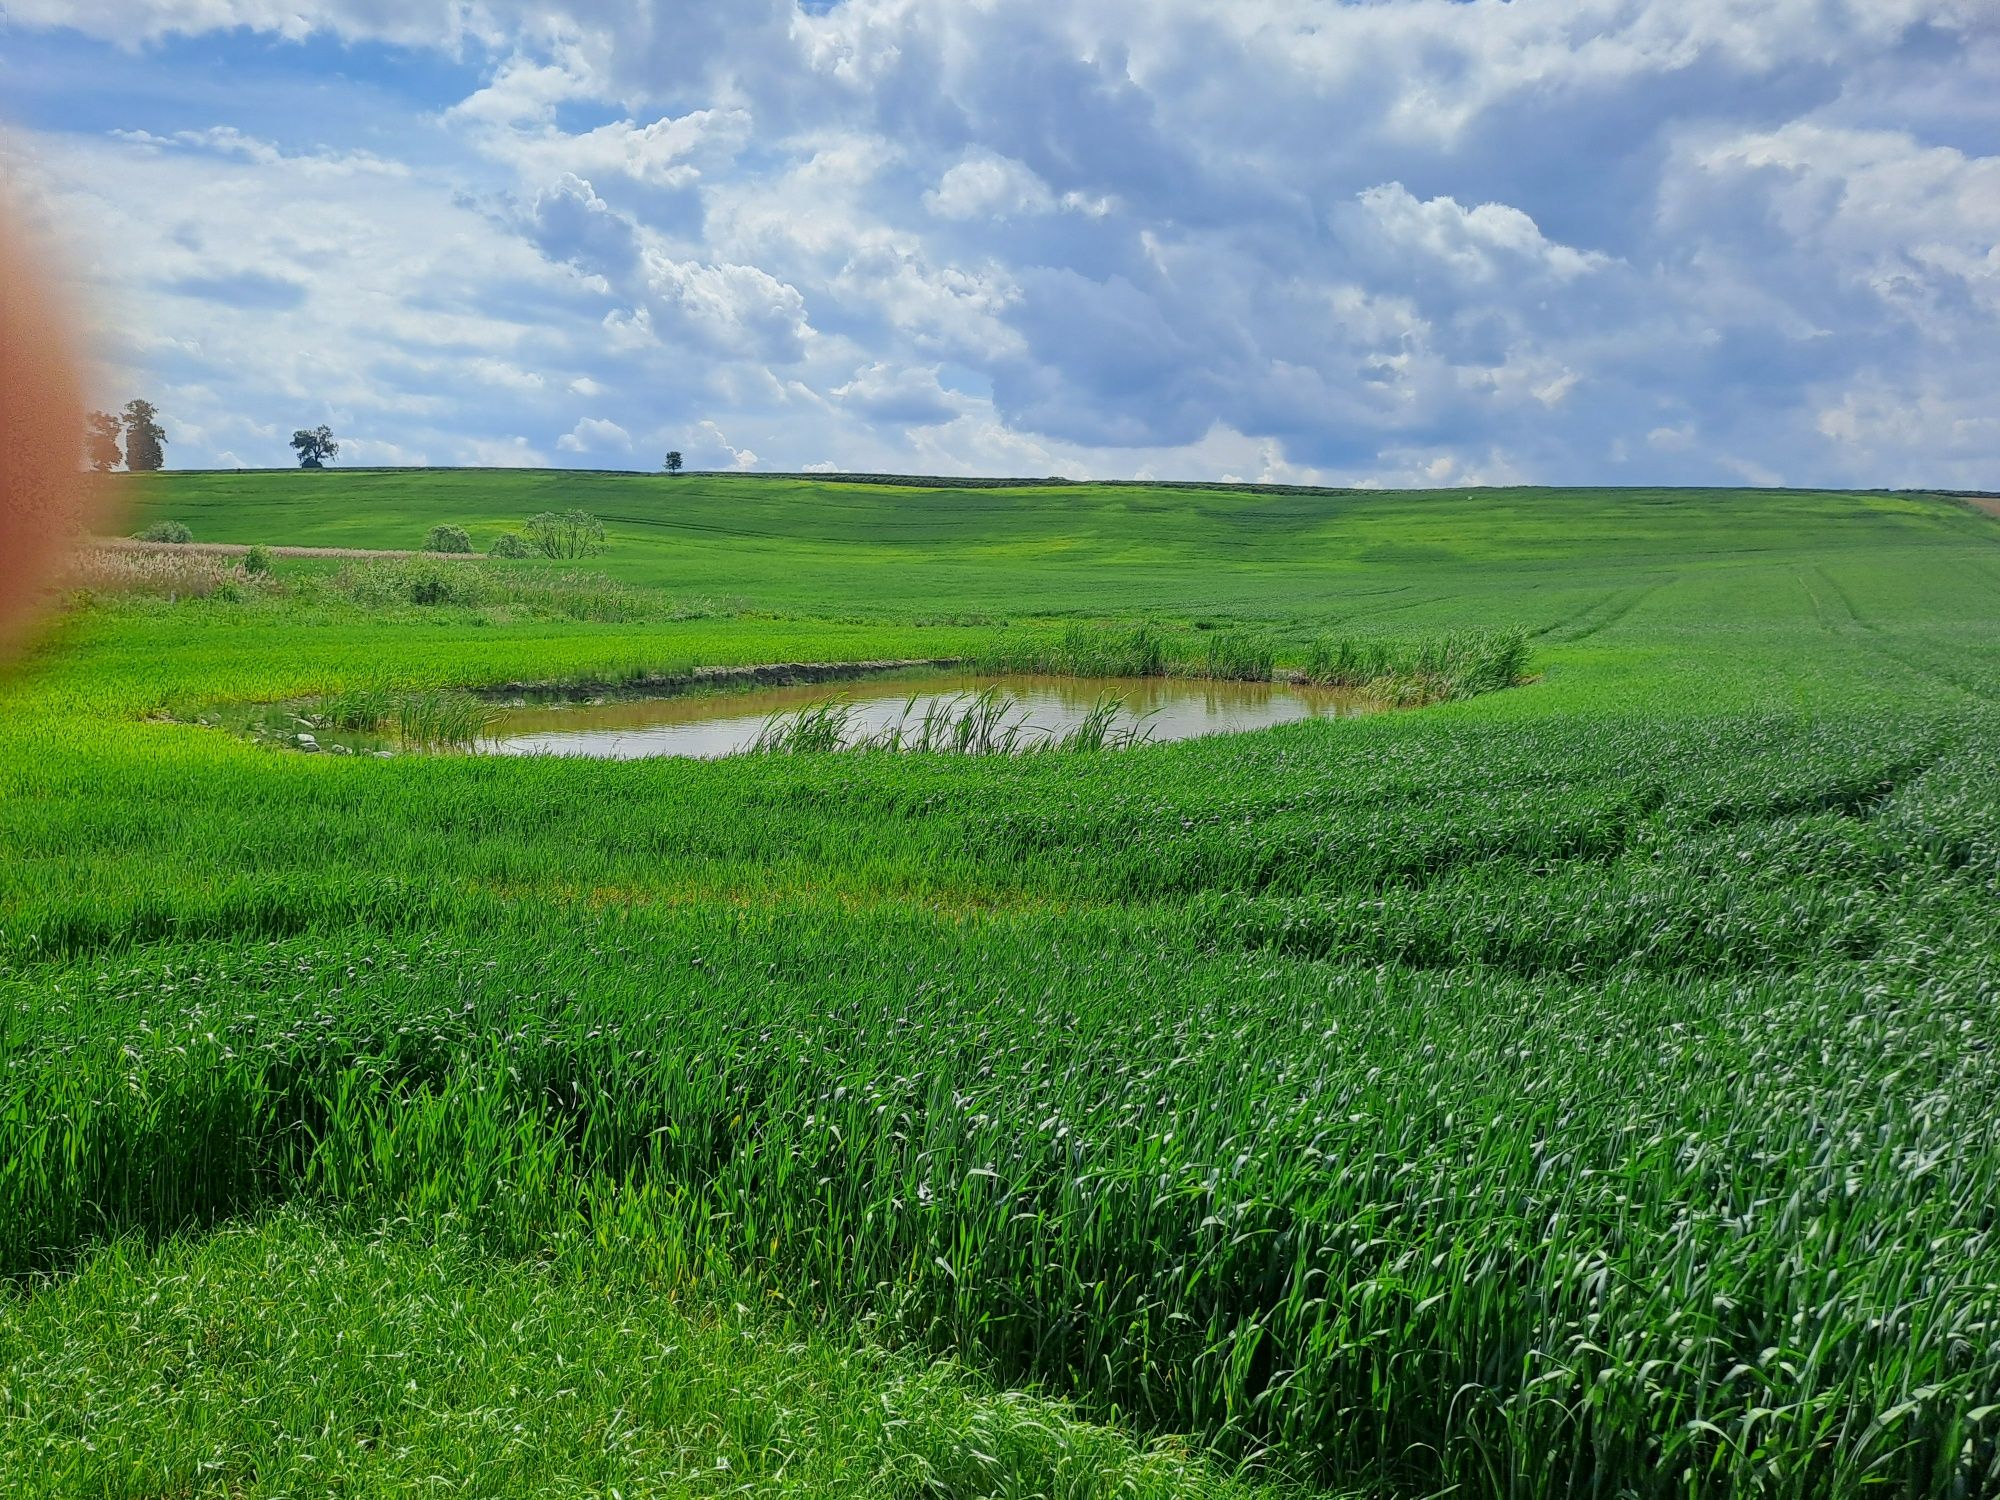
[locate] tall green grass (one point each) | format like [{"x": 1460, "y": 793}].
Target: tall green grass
[
  {"x": 1085, "y": 651},
  {"x": 1438, "y": 669},
  {"x": 1135, "y": 651},
  {"x": 1579, "y": 1090},
  {"x": 1234, "y": 657},
  {"x": 513, "y": 1378},
  {"x": 364, "y": 708},
  {"x": 1072, "y": 1149},
  {"x": 813, "y": 729},
  {"x": 375, "y": 712},
  {"x": 1407, "y": 670},
  {"x": 428, "y": 582},
  {"x": 988, "y": 722},
  {"x": 1608, "y": 1067},
  {"x": 442, "y": 720}
]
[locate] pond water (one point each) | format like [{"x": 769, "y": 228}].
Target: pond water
[{"x": 706, "y": 725}]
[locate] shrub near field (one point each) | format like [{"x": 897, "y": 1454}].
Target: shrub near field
[{"x": 1582, "y": 1088}]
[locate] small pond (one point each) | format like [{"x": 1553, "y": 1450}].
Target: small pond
[{"x": 706, "y": 725}]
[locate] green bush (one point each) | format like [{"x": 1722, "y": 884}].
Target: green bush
[
  {"x": 447, "y": 539},
  {"x": 416, "y": 580},
  {"x": 257, "y": 561},
  {"x": 565, "y": 534},
  {"x": 509, "y": 544},
  {"x": 167, "y": 531}
]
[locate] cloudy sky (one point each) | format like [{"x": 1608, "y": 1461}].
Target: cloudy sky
[{"x": 1389, "y": 241}]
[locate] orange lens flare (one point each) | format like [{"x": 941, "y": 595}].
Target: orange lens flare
[{"x": 46, "y": 499}]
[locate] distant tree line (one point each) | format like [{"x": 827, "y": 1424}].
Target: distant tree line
[{"x": 134, "y": 437}]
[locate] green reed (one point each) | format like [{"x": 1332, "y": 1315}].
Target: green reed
[
  {"x": 442, "y": 720},
  {"x": 1412, "y": 672},
  {"x": 990, "y": 721}
]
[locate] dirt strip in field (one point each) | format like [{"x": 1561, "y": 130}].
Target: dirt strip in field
[{"x": 233, "y": 549}]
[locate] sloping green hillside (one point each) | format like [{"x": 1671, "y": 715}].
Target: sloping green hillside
[{"x": 1089, "y": 548}]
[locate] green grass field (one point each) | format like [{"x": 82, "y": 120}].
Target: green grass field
[{"x": 1583, "y": 1088}]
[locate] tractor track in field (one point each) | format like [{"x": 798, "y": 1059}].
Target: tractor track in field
[
  {"x": 1313, "y": 924},
  {"x": 1597, "y": 602},
  {"x": 1601, "y": 613},
  {"x": 1841, "y": 617},
  {"x": 1366, "y": 613},
  {"x": 1343, "y": 616}
]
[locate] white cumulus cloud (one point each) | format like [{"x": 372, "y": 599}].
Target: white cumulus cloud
[
  {"x": 595, "y": 435},
  {"x": 1404, "y": 241}
]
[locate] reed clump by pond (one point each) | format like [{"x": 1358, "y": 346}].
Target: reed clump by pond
[
  {"x": 1085, "y": 651},
  {"x": 988, "y": 722},
  {"x": 1434, "y": 669},
  {"x": 1143, "y": 651},
  {"x": 1231, "y": 656},
  {"x": 1403, "y": 671},
  {"x": 423, "y": 719},
  {"x": 370, "y": 716},
  {"x": 442, "y": 719}
]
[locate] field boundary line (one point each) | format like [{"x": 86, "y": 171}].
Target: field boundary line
[
  {"x": 666, "y": 684},
  {"x": 1979, "y": 500},
  {"x": 238, "y": 549}
]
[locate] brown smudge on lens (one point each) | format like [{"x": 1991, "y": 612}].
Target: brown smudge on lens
[{"x": 46, "y": 498}]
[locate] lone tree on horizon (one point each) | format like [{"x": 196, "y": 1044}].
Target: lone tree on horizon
[
  {"x": 145, "y": 438},
  {"x": 673, "y": 465},
  {"x": 315, "y": 446},
  {"x": 100, "y": 443}
]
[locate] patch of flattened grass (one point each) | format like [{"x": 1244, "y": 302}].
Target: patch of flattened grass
[{"x": 285, "y": 1357}]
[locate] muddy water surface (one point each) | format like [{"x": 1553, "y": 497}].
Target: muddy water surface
[{"x": 706, "y": 725}]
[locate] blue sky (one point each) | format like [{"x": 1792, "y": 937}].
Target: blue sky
[{"x": 1396, "y": 242}]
